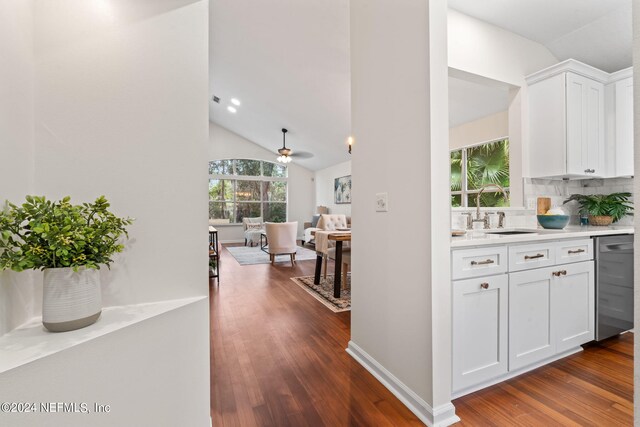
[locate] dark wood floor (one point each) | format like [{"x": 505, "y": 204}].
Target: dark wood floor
[{"x": 278, "y": 359}]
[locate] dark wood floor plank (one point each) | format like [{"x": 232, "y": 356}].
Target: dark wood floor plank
[{"x": 278, "y": 359}]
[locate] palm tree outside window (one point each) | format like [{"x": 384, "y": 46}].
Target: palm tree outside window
[{"x": 478, "y": 165}]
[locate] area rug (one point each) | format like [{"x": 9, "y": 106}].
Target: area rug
[
  {"x": 246, "y": 255},
  {"x": 324, "y": 292}
]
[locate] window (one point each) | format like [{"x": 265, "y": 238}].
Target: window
[
  {"x": 247, "y": 188},
  {"x": 476, "y": 166}
]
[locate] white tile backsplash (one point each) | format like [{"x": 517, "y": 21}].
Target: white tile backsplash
[{"x": 558, "y": 191}]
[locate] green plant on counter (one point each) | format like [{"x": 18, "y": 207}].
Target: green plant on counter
[
  {"x": 43, "y": 234},
  {"x": 615, "y": 205}
]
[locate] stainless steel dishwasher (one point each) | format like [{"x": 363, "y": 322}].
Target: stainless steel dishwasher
[{"x": 614, "y": 285}]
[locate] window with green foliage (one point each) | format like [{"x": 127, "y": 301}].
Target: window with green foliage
[
  {"x": 241, "y": 188},
  {"x": 476, "y": 166}
]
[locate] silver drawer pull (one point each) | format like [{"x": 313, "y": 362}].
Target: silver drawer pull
[
  {"x": 484, "y": 285},
  {"x": 489, "y": 261},
  {"x": 577, "y": 251},
  {"x": 533, "y": 256}
]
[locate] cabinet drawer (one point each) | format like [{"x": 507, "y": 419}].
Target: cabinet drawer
[
  {"x": 525, "y": 257},
  {"x": 574, "y": 251},
  {"x": 468, "y": 263}
]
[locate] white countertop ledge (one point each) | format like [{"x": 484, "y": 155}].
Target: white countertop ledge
[
  {"x": 482, "y": 238},
  {"x": 31, "y": 341}
]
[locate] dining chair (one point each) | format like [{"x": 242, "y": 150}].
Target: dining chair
[
  {"x": 282, "y": 239},
  {"x": 346, "y": 264}
]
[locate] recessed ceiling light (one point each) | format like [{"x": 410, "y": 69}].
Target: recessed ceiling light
[
  {"x": 235, "y": 102},
  {"x": 231, "y": 109}
]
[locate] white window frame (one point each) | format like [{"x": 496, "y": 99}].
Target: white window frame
[
  {"x": 261, "y": 178},
  {"x": 465, "y": 192}
]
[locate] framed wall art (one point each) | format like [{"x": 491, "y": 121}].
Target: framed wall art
[{"x": 342, "y": 190}]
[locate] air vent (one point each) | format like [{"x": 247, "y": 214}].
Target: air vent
[{"x": 216, "y": 99}]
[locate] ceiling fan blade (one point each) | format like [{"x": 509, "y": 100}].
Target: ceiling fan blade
[{"x": 302, "y": 155}]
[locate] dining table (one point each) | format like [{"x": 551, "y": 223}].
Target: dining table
[{"x": 339, "y": 237}]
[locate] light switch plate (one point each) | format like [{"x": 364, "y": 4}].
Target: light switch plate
[{"x": 382, "y": 204}]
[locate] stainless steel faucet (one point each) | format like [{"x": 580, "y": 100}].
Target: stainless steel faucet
[{"x": 485, "y": 220}]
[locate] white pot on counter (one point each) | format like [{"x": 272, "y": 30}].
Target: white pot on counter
[{"x": 71, "y": 299}]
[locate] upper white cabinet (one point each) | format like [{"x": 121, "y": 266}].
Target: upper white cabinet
[
  {"x": 623, "y": 141},
  {"x": 567, "y": 121}
]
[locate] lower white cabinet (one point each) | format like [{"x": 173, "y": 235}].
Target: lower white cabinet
[
  {"x": 531, "y": 337},
  {"x": 573, "y": 299},
  {"x": 479, "y": 330},
  {"x": 551, "y": 310},
  {"x": 504, "y": 323}
]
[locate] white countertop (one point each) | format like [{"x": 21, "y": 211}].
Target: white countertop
[{"x": 483, "y": 238}]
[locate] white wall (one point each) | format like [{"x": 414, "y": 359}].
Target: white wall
[
  {"x": 18, "y": 299},
  {"x": 324, "y": 181},
  {"x": 488, "y": 128},
  {"x": 122, "y": 110},
  {"x": 114, "y": 96},
  {"x": 400, "y": 319},
  {"x": 224, "y": 144},
  {"x": 486, "y": 50}
]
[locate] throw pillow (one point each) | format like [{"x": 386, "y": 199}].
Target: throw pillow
[
  {"x": 254, "y": 226},
  {"x": 314, "y": 221}
]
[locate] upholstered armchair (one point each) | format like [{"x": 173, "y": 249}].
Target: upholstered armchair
[
  {"x": 253, "y": 228},
  {"x": 282, "y": 239}
]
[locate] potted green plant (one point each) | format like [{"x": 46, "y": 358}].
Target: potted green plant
[
  {"x": 69, "y": 243},
  {"x": 603, "y": 209}
]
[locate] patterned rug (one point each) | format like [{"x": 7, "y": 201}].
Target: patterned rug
[
  {"x": 324, "y": 292},
  {"x": 246, "y": 255}
]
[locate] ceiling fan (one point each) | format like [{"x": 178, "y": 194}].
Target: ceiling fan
[{"x": 286, "y": 154}]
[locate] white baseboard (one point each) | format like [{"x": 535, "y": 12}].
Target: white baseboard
[{"x": 440, "y": 416}]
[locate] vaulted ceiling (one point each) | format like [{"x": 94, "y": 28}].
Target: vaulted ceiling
[{"x": 287, "y": 61}]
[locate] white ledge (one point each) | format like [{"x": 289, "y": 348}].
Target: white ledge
[{"x": 31, "y": 341}]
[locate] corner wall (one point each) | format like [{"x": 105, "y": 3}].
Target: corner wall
[
  {"x": 224, "y": 144},
  {"x": 324, "y": 181},
  {"x": 401, "y": 290}
]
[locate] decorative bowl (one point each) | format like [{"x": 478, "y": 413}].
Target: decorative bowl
[{"x": 555, "y": 222}]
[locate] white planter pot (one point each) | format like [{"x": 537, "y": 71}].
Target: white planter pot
[{"x": 71, "y": 300}]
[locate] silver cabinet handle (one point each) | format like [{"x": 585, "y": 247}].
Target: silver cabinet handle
[
  {"x": 484, "y": 285},
  {"x": 577, "y": 251},
  {"x": 533, "y": 256},
  {"x": 489, "y": 261}
]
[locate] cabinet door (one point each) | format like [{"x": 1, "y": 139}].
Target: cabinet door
[
  {"x": 479, "y": 330},
  {"x": 573, "y": 295},
  {"x": 531, "y": 336},
  {"x": 624, "y": 127},
  {"x": 585, "y": 126}
]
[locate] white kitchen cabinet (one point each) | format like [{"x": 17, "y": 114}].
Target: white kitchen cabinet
[
  {"x": 624, "y": 127},
  {"x": 479, "y": 330},
  {"x": 573, "y": 309},
  {"x": 567, "y": 121},
  {"x": 551, "y": 310},
  {"x": 531, "y": 337}
]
